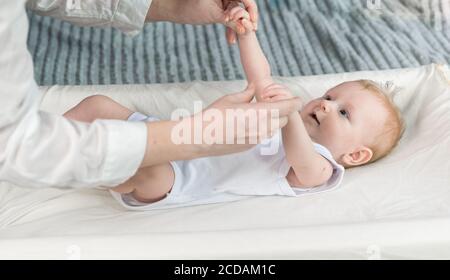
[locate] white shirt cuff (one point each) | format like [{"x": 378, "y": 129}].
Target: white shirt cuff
[
  {"x": 130, "y": 15},
  {"x": 126, "y": 147}
]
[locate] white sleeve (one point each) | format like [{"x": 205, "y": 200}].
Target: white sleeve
[
  {"x": 126, "y": 15},
  {"x": 39, "y": 149}
]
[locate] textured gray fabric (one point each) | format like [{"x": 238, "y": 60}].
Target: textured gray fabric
[{"x": 299, "y": 37}]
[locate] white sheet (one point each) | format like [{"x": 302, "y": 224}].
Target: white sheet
[{"x": 397, "y": 208}]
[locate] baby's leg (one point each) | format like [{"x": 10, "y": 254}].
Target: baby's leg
[
  {"x": 98, "y": 107},
  {"x": 149, "y": 184}
]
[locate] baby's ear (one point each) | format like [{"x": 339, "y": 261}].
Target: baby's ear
[{"x": 358, "y": 157}]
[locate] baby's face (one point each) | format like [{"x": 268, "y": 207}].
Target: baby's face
[{"x": 345, "y": 119}]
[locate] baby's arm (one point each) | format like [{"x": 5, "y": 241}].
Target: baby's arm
[
  {"x": 311, "y": 169},
  {"x": 256, "y": 66}
]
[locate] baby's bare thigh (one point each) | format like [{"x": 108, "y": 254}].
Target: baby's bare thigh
[{"x": 149, "y": 184}]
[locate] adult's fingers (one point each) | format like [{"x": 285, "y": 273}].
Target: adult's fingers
[
  {"x": 283, "y": 107},
  {"x": 248, "y": 25},
  {"x": 240, "y": 28},
  {"x": 276, "y": 88},
  {"x": 269, "y": 129},
  {"x": 237, "y": 13},
  {"x": 228, "y": 7},
  {"x": 245, "y": 96},
  {"x": 230, "y": 35},
  {"x": 277, "y": 121},
  {"x": 252, "y": 8},
  {"x": 277, "y": 93},
  {"x": 282, "y": 122}
]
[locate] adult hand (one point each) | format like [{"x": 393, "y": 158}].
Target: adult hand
[
  {"x": 238, "y": 19},
  {"x": 276, "y": 92},
  {"x": 242, "y": 123},
  {"x": 232, "y": 109},
  {"x": 200, "y": 12}
]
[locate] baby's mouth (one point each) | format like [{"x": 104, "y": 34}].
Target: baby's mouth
[{"x": 314, "y": 116}]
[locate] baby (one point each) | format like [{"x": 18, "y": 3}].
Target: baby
[{"x": 353, "y": 124}]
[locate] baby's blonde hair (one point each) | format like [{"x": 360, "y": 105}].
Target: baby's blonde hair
[{"x": 393, "y": 126}]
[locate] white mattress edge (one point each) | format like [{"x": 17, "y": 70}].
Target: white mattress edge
[{"x": 423, "y": 238}]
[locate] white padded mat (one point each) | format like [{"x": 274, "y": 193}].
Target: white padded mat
[{"x": 396, "y": 208}]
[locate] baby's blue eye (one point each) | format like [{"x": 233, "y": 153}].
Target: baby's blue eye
[{"x": 343, "y": 113}]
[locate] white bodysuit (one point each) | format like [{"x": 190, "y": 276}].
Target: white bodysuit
[{"x": 260, "y": 171}]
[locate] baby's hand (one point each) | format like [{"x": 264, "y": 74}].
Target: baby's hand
[
  {"x": 276, "y": 92},
  {"x": 237, "y": 18}
]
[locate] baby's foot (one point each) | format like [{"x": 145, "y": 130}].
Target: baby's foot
[{"x": 237, "y": 18}]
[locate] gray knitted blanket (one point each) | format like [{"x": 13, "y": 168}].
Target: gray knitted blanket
[{"x": 299, "y": 37}]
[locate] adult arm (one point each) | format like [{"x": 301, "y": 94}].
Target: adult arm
[
  {"x": 39, "y": 149},
  {"x": 271, "y": 116},
  {"x": 130, "y": 15},
  {"x": 127, "y": 15}
]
